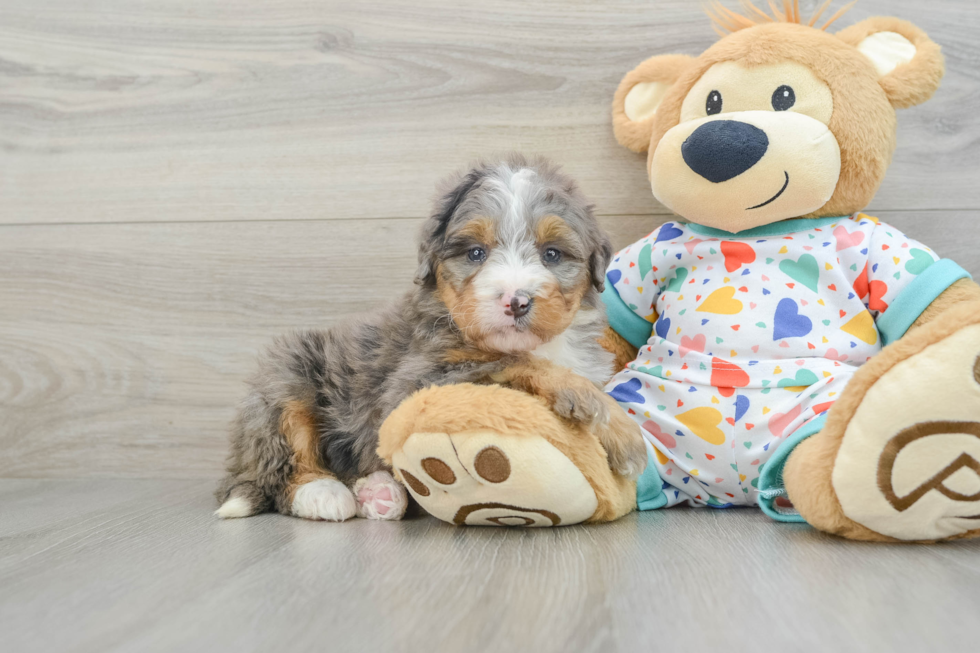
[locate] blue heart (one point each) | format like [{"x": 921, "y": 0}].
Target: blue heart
[
  {"x": 614, "y": 276},
  {"x": 704, "y": 321},
  {"x": 741, "y": 405},
  {"x": 627, "y": 392},
  {"x": 668, "y": 232},
  {"x": 765, "y": 292},
  {"x": 788, "y": 323},
  {"x": 687, "y": 479},
  {"x": 663, "y": 327},
  {"x": 745, "y": 272}
]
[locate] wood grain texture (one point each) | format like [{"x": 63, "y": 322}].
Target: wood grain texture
[
  {"x": 143, "y": 566},
  {"x": 124, "y": 348},
  {"x": 167, "y": 110}
]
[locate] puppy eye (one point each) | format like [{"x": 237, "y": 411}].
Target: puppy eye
[
  {"x": 713, "y": 104},
  {"x": 477, "y": 254},
  {"x": 783, "y": 98},
  {"x": 551, "y": 255}
]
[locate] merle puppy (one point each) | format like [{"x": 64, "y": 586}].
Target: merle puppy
[{"x": 511, "y": 264}]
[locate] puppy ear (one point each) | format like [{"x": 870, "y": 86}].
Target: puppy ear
[
  {"x": 909, "y": 64},
  {"x": 602, "y": 252},
  {"x": 434, "y": 229},
  {"x": 639, "y": 95}
]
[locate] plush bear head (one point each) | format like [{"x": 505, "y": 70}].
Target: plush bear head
[{"x": 778, "y": 119}]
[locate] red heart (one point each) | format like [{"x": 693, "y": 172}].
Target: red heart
[
  {"x": 736, "y": 255},
  {"x": 884, "y": 247},
  {"x": 679, "y": 403},
  {"x": 843, "y": 313},
  {"x": 749, "y": 426},
  {"x": 736, "y": 326},
  {"x": 878, "y": 290},
  {"x": 632, "y": 264},
  {"x": 819, "y": 408},
  {"x": 790, "y": 285},
  {"x": 730, "y": 420},
  {"x": 726, "y": 376},
  {"x": 709, "y": 456},
  {"x": 861, "y": 283},
  {"x": 832, "y": 287},
  {"x": 630, "y": 411}
]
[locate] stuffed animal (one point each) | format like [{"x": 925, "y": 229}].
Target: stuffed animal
[{"x": 780, "y": 348}]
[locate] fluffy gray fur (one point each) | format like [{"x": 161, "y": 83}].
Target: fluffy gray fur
[{"x": 351, "y": 377}]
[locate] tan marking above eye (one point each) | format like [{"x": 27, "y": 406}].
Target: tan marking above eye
[
  {"x": 492, "y": 465},
  {"x": 417, "y": 486},
  {"x": 439, "y": 471}
]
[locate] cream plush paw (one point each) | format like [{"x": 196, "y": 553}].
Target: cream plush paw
[
  {"x": 899, "y": 456},
  {"x": 486, "y": 478},
  {"x": 380, "y": 496},
  {"x": 324, "y": 499}
]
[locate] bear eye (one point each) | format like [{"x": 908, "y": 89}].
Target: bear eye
[
  {"x": 551, "y": 255},
  {"x": 477, "y": 254},
  {"x": 713, "y": 104},
  {"x": 783, "y": 98}
]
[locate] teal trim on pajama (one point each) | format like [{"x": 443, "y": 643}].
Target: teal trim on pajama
[
  {"x": 771, "y": 477},
  {"x": 916, "y": 297},
  {"x": 649, "y": 487},
  {"x": 625, "y": 322}
]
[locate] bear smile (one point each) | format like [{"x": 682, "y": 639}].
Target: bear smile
[{"x": 773, "y": 198}]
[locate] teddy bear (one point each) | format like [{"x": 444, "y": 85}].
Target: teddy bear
[{"x": 778, "y": 347}]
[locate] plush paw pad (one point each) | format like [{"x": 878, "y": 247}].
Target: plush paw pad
[
  {"x": 487, "y": 478},
  {"x": 380, "y": 496},
  {"x": 909, "y": 462},
  {"x": 324, "y": 499}
]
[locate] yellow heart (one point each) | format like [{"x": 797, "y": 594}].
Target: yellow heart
[
  {"x": 825, "y": 339},
  {"x": 896, "y": 259},
  {"x": 680, "y": 297},
  {"x": 862, "y": 327},
  {"x": 662, "y": 459},
  {"x": 703, "y": 422},
  {"x": 646, "y": 414},
  {"x": 742, "y": 477},
  {"x": 661, "y": 388},
  {"x": 678, "y": 329},
  {"x": 714, "y": 400},
  {"x": 820, "y": 301},
  {"x": 721, "y": 302},
  {"x": 828, "y": 266},
  {"x": 778, "y": 370},
  {"x": 694, "y": 472},
  {"x": 827, "y": 374},
  {"x": 734, "y": 353},
  {"x": 765, "y": 410},
  {"x": 783, "y": 250}
]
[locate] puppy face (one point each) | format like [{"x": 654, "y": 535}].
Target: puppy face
[{"x": 513, "y": 251}]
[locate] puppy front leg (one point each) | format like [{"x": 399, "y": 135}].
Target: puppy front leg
[{"x": 577, "y": 399}]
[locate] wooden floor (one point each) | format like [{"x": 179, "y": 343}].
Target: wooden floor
[{"x": 180, "y": 181}]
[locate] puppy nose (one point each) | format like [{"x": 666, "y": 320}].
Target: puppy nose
[
  {"x": 722, "y": 149},
  {"x": 519, "y": 305}
]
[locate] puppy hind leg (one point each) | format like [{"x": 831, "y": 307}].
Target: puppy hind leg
[{"x": 312, "y": 492}]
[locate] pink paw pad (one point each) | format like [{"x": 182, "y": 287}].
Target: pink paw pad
[{"x": 380, "y": 496}]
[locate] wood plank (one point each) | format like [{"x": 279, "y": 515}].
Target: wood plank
[
  {"x": 163, "y": 110},
  {"x": 143, "y": 566},
  {"x": 123, "y": 348}
]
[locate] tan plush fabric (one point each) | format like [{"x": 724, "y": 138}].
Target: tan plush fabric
[{"x": 514, "y": 422}]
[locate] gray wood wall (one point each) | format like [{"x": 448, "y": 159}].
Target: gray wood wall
[{"x": 180, "y": 181}]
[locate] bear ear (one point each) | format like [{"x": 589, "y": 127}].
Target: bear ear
[
  {"x": 909, "y": 63},
  {"x": 639, "y": 95}
]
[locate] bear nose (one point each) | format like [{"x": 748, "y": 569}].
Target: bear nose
[{"x": 722, "y": 149}]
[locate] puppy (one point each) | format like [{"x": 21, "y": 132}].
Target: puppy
[{"x": 511, "y": 264}]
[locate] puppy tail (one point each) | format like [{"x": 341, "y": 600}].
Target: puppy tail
[{"x": 241, "y": 500}]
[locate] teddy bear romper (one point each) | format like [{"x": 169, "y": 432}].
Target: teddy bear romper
[{"x": 747, "y": 339}]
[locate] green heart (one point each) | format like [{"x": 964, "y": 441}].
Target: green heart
[
  {"x": 761, "y": 325},
  {"x": 804, "y": 378},
  {"x": 661, "y": 408},
  {"x": 805, "y": 271},
  {"x": 657, "y": 371},
  {"x": 644, "y": 261},
  {"x": 677, "y": 281},
  {"x": 689, "y": 456},
  {"x": 748, "y": 445},
  {"x": 769, "y": 260},
  {"x": 920, "y": 261},
  {"x": 718, "y": 340},
  {"x": 755, "y": 482},
  {"x": 826, "y": 322}
]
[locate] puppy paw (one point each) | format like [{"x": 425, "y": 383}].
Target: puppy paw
[
  {"x": 583, "y": 405},
  {"x": 380, "y": 496},
  {"x": 325, "y": 499},
  {"x": 625, "y": 449}
]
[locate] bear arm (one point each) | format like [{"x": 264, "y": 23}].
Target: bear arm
[
  {"x": 619, "y": 347},
  {"x": 963, "y": 290}
]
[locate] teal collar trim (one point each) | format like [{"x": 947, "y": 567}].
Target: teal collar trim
[{"x": 780, "y": 228}]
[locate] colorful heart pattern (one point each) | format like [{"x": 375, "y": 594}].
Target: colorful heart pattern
[{"x": 750, "y": 337}]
